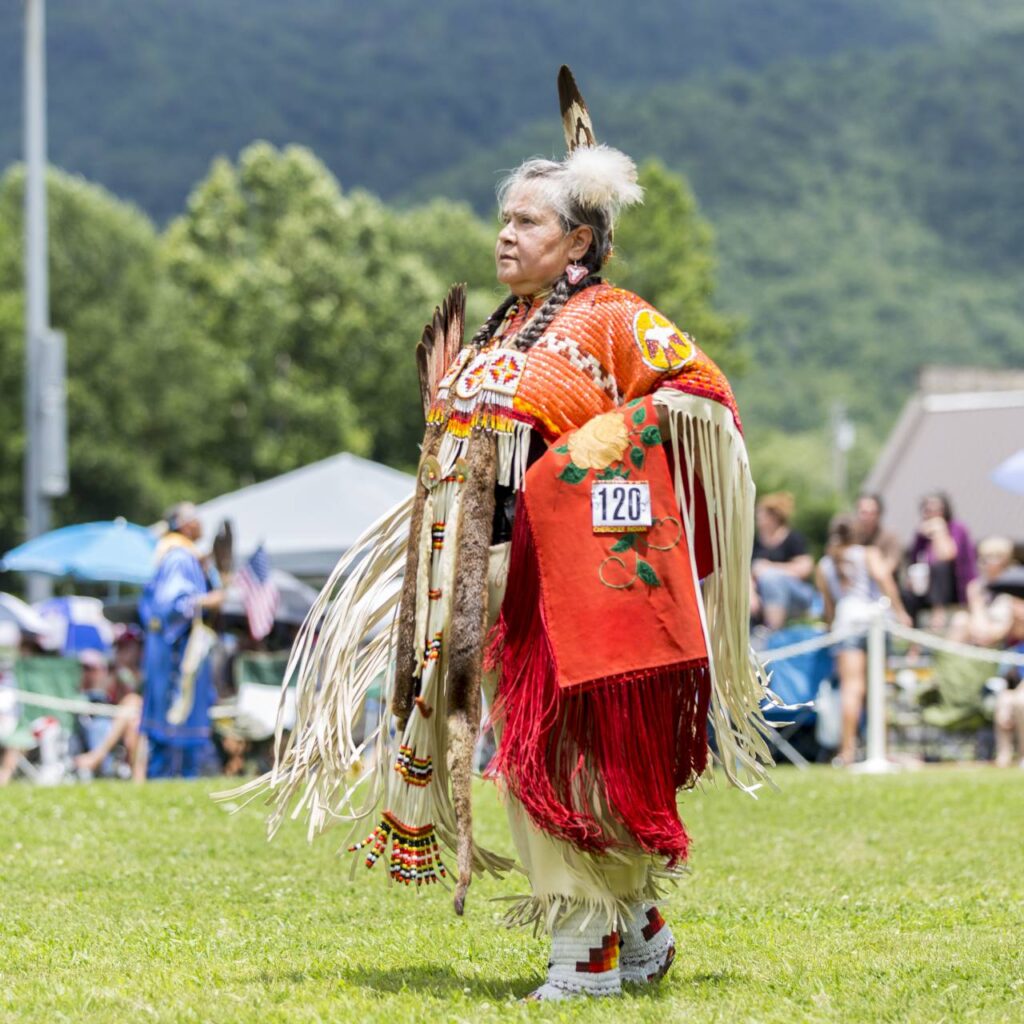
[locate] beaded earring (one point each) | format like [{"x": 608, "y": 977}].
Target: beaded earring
[{"x": 576, "y": 272}]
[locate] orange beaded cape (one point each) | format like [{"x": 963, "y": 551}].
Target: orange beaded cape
[{"x": 605, "y": 347}]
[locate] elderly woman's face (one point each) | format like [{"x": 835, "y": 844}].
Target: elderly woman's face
[{"x": 532, "y": 252}]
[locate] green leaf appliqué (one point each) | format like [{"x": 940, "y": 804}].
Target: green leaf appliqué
[
  {"x": 646, "y": 572},
  {"x": 650, "y": 436},
  {"x": 624, "y": 543},
  {"x": 639, "y": 416},
  {"x": 572, "y": 474},
  {"x": 636, "y": 456}
]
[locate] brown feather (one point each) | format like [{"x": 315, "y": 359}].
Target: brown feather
[
  {"x": 440, "y": 343},
  {"x": 579, "y": 129}
]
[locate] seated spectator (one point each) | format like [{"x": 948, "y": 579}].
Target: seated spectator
[
  {"x": 941, "y": 562},
  {"x": 988, "y": 618},
  {"x": 102, "y": 733},
  {"x": 1008, "y": 717},
  {"x": 852, "y": 579},
  {"x": 127, "y": 667},
  {"x": 868, "y": 514},
  {"x": 781, "y": 566}
]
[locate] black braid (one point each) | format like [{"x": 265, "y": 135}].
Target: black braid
[
  {"x": 560, "y": 295},
  {"x": 492, "y": 323}
]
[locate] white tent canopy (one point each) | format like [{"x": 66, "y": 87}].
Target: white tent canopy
[{"x": 308, "y": 518}]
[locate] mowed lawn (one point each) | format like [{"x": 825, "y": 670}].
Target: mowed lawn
[{"x": 839, "y": 898}]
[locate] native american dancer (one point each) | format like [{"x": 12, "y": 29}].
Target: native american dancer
[
  {"x": 578, "y": 548},
  {"x": 177, "y": 667}
]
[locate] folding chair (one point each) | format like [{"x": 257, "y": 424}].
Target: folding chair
[{"x": 47, "y": 677}]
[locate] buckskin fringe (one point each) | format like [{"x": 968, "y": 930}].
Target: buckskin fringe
[
  {"x": 568, "y": 755},
  {"x": 709, "y": 446},
  {"x": 544, "y": 913},
  {"x": 344, "y": 647},
  {"x": 320, "y": 762}
]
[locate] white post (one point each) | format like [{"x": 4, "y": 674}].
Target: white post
[
  {"x": 37, "y": 286},
  {"x": 876, "y": 761}
]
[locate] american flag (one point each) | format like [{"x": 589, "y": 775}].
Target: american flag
[{"x": 259, "y": 594}]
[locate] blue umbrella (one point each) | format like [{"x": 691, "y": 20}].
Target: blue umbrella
[
  {"x": 116, "y": 552},
  {"x": 1010, "y": 473}
]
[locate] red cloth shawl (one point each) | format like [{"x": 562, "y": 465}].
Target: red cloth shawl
[{"x": 604, "y": 687}]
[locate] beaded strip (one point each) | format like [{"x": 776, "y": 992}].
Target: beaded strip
[
  {"x": 415, "y": 856},
  {"x": 417, "y": 771}
]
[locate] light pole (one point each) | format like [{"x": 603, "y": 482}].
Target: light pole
[
  {"x": 45, "y": 453},
  {"x": 843, "y": 437}
]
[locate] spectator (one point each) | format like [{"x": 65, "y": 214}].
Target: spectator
[
  {"x": 1009, "y": 710},
  {"x": 942, "y": 561},
  {"x": 870, "y": 532},
  {"x": 10, "y": 638},
  {"x": 852, "y": 578},
  {"x": 127, "y": 668},
  {"x": 781, "y": 566},
  {"x": 102, "y": 733},
  {"x": 989, "y": 618}
]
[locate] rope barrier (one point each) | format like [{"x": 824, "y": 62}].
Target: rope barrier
[
  {"x": 814, "y": 643},
  {"x": 919, "y": 636},
  {"x": 77, "y": 707}
]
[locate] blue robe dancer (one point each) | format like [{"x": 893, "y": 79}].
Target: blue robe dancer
[{"x": 178, "y": 729}]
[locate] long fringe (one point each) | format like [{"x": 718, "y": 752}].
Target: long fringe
[
  {"x": 544, "y": 913},
  {"x": 319, "y": 766},
  {"x": 344, "y": 648},
  {"x": 709, "y": 447}
]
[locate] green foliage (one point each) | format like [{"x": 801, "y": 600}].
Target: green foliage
[
  {"x": 125, "y": 903},
  {"x": 105, "y": 291},
  {"x": 273, "y": 324},
  {"x": 859, "y": 160}
]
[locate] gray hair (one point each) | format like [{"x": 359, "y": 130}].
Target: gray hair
[{"x": 552, "y": 180}]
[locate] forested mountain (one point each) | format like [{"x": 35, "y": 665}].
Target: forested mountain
[
  {"x": 859, "y": 159},
  {"x": 144, "y": 94}
]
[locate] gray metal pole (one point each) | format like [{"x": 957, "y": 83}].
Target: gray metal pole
[{"x": 37, "y": 295}]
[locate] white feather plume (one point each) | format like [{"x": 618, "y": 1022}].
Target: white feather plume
[{"x": 599, "y": 176}]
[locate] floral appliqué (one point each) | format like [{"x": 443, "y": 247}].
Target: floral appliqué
[{"x": 614, "y": 445}]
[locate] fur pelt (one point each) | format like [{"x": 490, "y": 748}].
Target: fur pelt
[
  {"x": 462, "y": 732},
  {"x": 466, "y": 643}
]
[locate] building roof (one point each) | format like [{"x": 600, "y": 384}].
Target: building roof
[
  {"x": 950, "y": 439},
  {"x": 308, "y": 518}
]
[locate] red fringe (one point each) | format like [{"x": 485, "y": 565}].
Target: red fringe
[{"x": 626, "y": 745}]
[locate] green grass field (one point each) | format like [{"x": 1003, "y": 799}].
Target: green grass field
[{"x": 840, "y": 898}]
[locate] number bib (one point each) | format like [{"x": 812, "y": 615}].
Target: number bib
[{"x": 621, "y": 506}]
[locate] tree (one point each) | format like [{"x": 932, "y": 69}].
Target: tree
[
  {"x": 310, "y": 305},
  {"x": 104, "y": 279}
]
